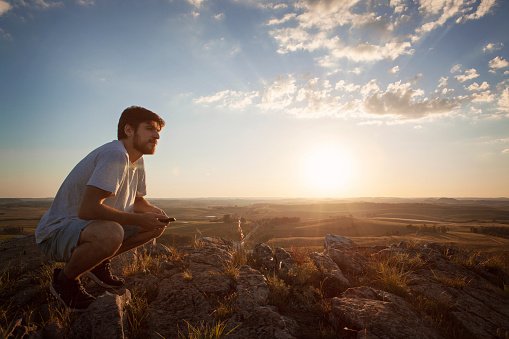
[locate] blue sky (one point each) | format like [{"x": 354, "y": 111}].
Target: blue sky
[{"x": 262, "y": 98}]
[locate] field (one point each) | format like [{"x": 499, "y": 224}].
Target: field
[{"x": 473, "y": 224}]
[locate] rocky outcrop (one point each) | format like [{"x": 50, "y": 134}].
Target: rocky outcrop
[
  {"x": 339, "y": 292},
  {"x": 104, "y": 318},
  {"x": 378, "y": 314}
]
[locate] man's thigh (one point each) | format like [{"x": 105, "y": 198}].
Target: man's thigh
[{"x": 62, "y": 242}]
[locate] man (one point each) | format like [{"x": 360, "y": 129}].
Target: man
[{"x": 100, "y": 210}]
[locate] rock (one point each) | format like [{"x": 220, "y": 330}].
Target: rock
[
  {"x": 155, "y": 249},
  {"x": 252, "y": 290},
  {"x": 337, "y": 242},
  {"x": 333, "y": 279},
  {"x": 264, "y": 322},
  {"x": 178, "y": 300},
  {"x": 263, "y": 257},
  {"x": 210, "y": 279},
  {"x": 221, "y": 243},
  {"x": 104, "y": 318},
  {"x": 378, "y": 314},
  {"x": 284, "y": 261},
  {"x": 348, "y": 261}
]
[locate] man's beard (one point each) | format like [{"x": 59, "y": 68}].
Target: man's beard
[{"x": 143, "y": 148}]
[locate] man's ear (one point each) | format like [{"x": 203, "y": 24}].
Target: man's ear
[{"x": 128, "y": 130}]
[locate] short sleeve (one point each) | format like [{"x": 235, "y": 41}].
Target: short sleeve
[
  {"x": 110, "y": 171},
  {"x": 141, "y": 188}
]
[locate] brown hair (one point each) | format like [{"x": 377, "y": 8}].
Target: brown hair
[{"x": 134, "y": 116}]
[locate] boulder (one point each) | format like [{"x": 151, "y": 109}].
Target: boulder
[
  {"x": 104, "y": 318},
  {"x": 378, "y": 314},
  {"x": 337, "y": 242},
  {"x": 263, "y": 257},
  {"x": 284, "y": 261},
  {"x": 333, "y": 279}
]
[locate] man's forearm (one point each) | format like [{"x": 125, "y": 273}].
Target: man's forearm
[
  {"x": 105, "y": 212},
  {"x": 142, "y": 206}
]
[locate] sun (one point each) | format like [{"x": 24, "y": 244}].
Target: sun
[{"x": 328, "y": 170}]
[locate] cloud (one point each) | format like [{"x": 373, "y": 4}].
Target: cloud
[
  {"x": 468, "y": 75},
  {"x": 219, "y": 17},
  {"x": 402, "y": 100},
  {"x": 85, "y": 3},
  {"x": 491, "y": 47},
  {"x": 280, "y": 94},
  {"x": 497, "y": 63},
  {"x": 394, "y": 70},
  {"x": 442, "y": 82},
  {"x": 4, "y": 35},
  {"x": 286, "y": 18},
  {"x": 476, "y": 87},
  {"x": 456, "y": 68},
  {"x": 195, "y": 3},
  {"x": 347, "y": 87},
  {"x": 481, "y": 97},
  {"x": 484, "y": 8},
  {"x": 234, "y": 100},
  {"x": 505, "y": 151},
  {"x": 503, "y": 101},
  {"x": 4, "y": 7}
]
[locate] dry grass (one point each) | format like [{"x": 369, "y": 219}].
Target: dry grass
[
  {"x": 455, "y": 282},
  {"x": 279, "y": 291},
  {"x": 304, "y": 273},
  {"x": 187, "y": 275},
  {"x": 392, "y": 278},
  {"x": 136, "y": 314},
  {"x": 205, "y": 331},
  {"x": 225, "y": 308}
]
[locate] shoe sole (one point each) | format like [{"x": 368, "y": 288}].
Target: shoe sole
[
  {"x": 99, "y": 281},
  {"x": 60, "y": 300}
]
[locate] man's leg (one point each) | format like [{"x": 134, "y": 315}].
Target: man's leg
[
  {"x": 139, "y": 239},
  {"x": 98, "y": 241}
]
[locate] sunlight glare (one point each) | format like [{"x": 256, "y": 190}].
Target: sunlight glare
[{"x": 328, "y": 170}]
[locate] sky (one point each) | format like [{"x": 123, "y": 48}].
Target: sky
[{"x": 305, "y": 98}]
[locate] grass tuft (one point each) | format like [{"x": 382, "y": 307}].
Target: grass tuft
[
  {"x": 136, "y": 314},
  {"x": 205, "y": 331}
]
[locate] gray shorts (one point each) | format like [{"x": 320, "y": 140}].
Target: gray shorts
[{"x": 61, "y": 243}]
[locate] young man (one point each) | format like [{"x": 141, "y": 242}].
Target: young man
[{"x": 99, "y": 210}]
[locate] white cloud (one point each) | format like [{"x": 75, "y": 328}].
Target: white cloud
[
  {"x": 491, "y": 47},
  {"x": 4, "y": 35},
  {"x": 394, "y": 70},
  {"x": 85, "y": 3},
  {"x": 279, "y": 94},
  {"x": 481, "y": 97},
  {"x": 503, "y": 101},
  {"x": 399, "y": 6},
  {"x": 347, "y": 87},
  {"x": 484, "y": 8},
  {"x": 468, "y": 75},
  {"x": 195, "y": 3},
  {"x": 284, "y": 19},
  {"x": 497, "y": 63},
  {"x": 456, "y": 68},
  {"x": 234, "y": 100},
  {"x": 476, "y": 87},
  {"x": 4, "y": 7},
  {"x": 402, "y": 100},
  {"x": 219, "y": 17},
  {"x": 442, "y": 82},
  {"x": 505, "y": 151}
]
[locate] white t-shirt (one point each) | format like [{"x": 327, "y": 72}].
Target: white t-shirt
[{"x": 108, "y": 168}]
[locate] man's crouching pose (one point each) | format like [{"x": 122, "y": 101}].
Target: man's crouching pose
[{"x": 99, "y": 211}]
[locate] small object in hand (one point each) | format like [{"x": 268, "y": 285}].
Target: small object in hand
[{"x": 166, "y": 220}]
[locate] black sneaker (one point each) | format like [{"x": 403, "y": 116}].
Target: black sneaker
[
  {"x": 70, "y": 292},
  {"x": 102, "y": 275}
]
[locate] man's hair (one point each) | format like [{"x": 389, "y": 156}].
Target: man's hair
[{"x": 134, "y": 116}]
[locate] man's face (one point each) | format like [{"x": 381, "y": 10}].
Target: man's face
[{"x": 146, "y": 136}]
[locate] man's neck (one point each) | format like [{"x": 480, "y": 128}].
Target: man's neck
[{"x": 134, "y": 154}]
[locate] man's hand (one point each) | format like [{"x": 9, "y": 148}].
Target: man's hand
[{"x": 150, "y": 221}]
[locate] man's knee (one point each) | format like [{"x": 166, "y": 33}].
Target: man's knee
[{"x": 109, "y": 235}]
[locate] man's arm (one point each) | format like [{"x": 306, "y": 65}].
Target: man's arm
[
  {"x": 92, "y": 208},
  {"x": 143, "y": 206}
]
